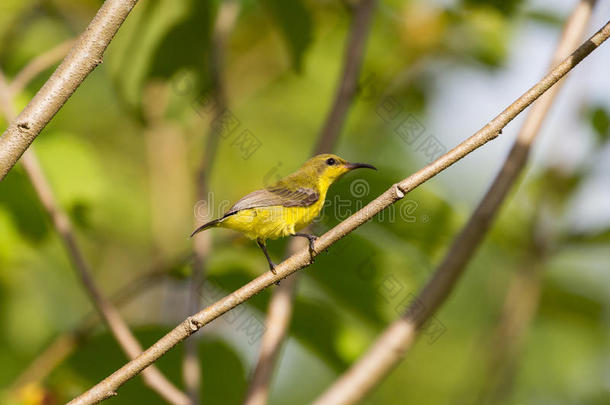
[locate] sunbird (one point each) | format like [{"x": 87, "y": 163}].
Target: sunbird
[{"x": 286, "y": 207}]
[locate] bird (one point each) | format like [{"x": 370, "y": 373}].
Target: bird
[{"x": 287, "y": 206}]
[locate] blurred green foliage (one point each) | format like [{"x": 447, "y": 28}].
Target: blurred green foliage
[{"x": 122, "y": 156}]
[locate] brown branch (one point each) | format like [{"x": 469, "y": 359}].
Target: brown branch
[
  {"x": 507, "y": 340},
  {"x": 86, "y": 54},
  {"x": 132, "y": 348},
  {"x": 518, "y": 311},
  {"x": 66, "y": 343},
  {"x": 280, "y": 309},
  {"x": 227, "y": 14},
  {"x": 118, "y": 327},
  {"x": 38, "y": 65},
  {"x": 277, "y": 322},
  {"x": 301, "y": 259},
  {"x": 354, "y": 51},
  {"x": 389, "y": 349}
]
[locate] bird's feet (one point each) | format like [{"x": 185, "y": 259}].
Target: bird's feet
[
  {"x": 261, "y": 244},
  {"x": 312, "y": 251},
  {"x": 272, "y": 269},
  {"x": 311, "y": 238}
]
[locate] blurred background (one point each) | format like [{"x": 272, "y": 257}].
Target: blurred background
[{"x": 123, "y": 157}]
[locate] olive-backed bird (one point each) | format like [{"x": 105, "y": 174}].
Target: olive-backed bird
[{"x": 286, "y": 207}]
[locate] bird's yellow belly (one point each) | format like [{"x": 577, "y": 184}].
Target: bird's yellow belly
[{"x": 271, "y": 222}]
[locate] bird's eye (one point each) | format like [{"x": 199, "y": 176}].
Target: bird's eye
[{"x": 330, "y": 161}]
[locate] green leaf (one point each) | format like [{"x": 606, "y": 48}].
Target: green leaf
[
  {"x": 186, "y": 45},
  {"x": 295, "y": 22},
  {"x": 315, "y": 325},
  {"x": 545, "y": 17},
  {"x": 20, "y": 200},
  {"x": 349, "y": 273},
  {"x": 506, "y": 7},
  {"x": 223, "y": 373},
  {"x": 600, "y": 121}
]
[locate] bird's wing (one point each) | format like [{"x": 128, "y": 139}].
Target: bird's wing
[{"x": 276, "y": 195}]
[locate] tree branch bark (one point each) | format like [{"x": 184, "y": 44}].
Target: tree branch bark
[
  {"x": 301, "y": 259},
  {"x": 505, "y": 346},
  {"x": 277, "y": 323},
  {"x": 67, "y": 342},
  {"x": 86, "y": 54},
  {"x": 389, "y": 349},
  {"x": 118, "y": 327},
  {"x": 280, "y": 309},
  {"x": 126, "y": 340},
  {"x": 354, "y": 52}
]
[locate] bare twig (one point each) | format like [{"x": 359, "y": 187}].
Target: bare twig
[
  {"x": 152, "y": 376},
  {"x": 227, "y": 14},
  {"x": 354, "y": 51},
  {"x": 66, "y": 343},
  {"x": 302, "y": 258},
  {"x": 507, "y": 340},
  {"x": 280, "y": 309},
  {"x": 277, "y": 322},
  {"x": 81, "y": 60},
  {"x": 126, "y": 340},
  {"x": 389, "y": 349},
  {"x": 38, "y": 65},
  {"x": 519, "y": 309}
]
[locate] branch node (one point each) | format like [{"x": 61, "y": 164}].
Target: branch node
[
  {"x": 399, "y": 193},
  {"x": 24, "y": 126},
  {"x": 193, "y": 324}
]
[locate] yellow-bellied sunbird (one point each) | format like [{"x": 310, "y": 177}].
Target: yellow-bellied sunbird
[{"x": 287, "y": 206}]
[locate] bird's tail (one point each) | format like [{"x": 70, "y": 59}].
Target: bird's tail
[{"x": 207, "y": 225}]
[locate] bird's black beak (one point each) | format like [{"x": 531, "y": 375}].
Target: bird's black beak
[{"x": 352, "y": 166}]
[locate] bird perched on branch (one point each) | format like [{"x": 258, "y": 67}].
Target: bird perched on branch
[{"x": 287, "y": 206}]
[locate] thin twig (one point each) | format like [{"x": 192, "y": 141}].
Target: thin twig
[
  {"x": 302, "y": 258},
  {"x": 507, "y": 339},
  {"x": 519, "y": 309},
  {"x": 66, "y": 343},
  {"x": 354, "y": 51},
  {"x": 280, "y": 309},
  {"x": 277, "y": 322},
  {"x": 85, "y": 55},
  {"x": 389, "y": 349},
  {"x": 126, "y": 340},
  {"x": 227, "y": 14}
]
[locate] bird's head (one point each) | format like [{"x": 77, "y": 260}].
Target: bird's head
[{"x": 330, "y": 167}]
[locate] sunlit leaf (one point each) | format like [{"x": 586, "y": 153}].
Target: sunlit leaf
[{"x": 295, "y": 21}]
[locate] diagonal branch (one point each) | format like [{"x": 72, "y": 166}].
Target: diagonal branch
[
  {"x": 85, "y": 55},
  {"x": 509, "y": 336},
  {"x": 118, "y": 327},
  {"x": 282, "y": 301},
  {"x": 389, "y": 349},
  {"x": 301, "y": 259},
  {"x": 277, "y": 323},
  {"x": 130, "y": 345},
  {"x": 64, "y": 344},
  {"x": 354, "y": 52}
]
